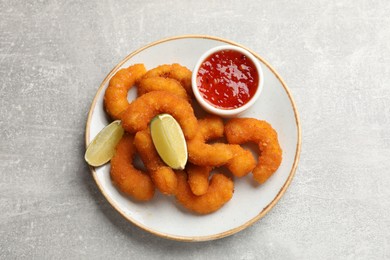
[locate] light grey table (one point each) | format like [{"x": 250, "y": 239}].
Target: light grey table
[{"x": 334, "y": 56}]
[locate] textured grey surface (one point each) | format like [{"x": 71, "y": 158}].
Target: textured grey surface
[{"x": 334, "y": 55}]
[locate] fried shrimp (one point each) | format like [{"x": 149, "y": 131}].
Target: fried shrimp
[
  {"x": 115, "y": 97},
  {"x": 203, "y": 154},
  {"x": 242, "y": 130},
  {"x": 125, "y": 176},
  {"x": 238, "y": 160},
  {"x": 139, "y": 113},
  {"x": 219, "y": 192},
  {"x": 242, "y": 162},
  {"x": 163, "y": 177},
  {"x": 173, "y": 71},
  {"x": 198, "y": 178},
  {"x": 159, "y": 83}
]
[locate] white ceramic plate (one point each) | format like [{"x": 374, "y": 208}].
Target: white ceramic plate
[{"x": 162, "y": 216}]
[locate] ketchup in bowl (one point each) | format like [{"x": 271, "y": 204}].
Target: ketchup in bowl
[{"x": 227, "y": 80}]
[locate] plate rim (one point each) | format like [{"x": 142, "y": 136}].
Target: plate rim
[{"x": 230, "y": 231}]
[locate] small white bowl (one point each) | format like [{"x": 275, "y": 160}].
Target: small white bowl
[{"x": 219, "y": 111}]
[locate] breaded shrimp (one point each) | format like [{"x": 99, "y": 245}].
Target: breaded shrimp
[
  {"x": 115, "y": 97},
  {"x": 238, "y": 160},
  {"x": 242, "y": 130},
  {"x": 242, "y": 162},
  {"x": 173, "y": 71},
  {"x": 125, "y": 176},
  {"x": 198, "y": 178},
  {"x": 165, "y": 84},
  {"x": 163, "y": 176},
  {"x": 139, "y": 113},
  {"x": 219, "y": 192},
  {"x": 203, "y": 154}
]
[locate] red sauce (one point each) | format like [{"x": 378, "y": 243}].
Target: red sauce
[{"x": 227, "y": 79}]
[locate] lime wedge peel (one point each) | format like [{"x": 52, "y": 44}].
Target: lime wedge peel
[
  {"x": 102, "y": 147},
  {"x": 169, "y": 140}
]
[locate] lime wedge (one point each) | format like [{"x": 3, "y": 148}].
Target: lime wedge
[
  {"x": 168, "y": 138},
  {"x": 102, "y": 147}
]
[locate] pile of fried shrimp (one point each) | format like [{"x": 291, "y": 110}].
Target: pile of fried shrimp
[{"x": 211, "y": 142}]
